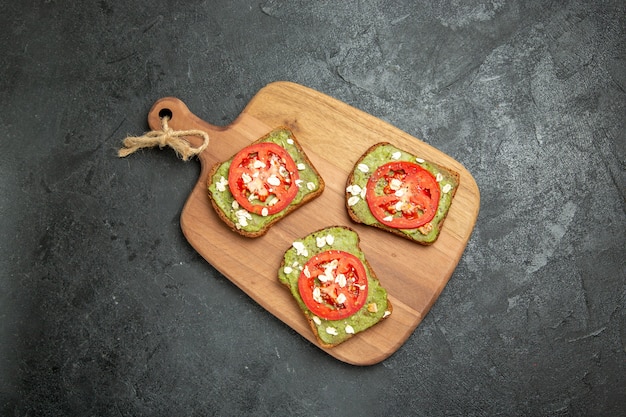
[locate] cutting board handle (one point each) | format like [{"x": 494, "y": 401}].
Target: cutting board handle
[{"x": 180, "y": 118}]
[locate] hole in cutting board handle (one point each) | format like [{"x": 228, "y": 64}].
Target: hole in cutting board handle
[{"x": 165, "y": 113}]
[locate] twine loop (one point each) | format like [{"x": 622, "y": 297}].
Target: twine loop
[{"x": 165, "y": 137}]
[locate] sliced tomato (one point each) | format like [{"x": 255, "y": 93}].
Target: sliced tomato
[
  {"x": 262, "y": 178},
  {"x": 333, "y": 284},
  {"x": 402, "y": 195}
]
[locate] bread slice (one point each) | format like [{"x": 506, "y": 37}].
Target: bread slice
[
  {"x": 376, "y": 307},
  {"x": 368, "y": 163},
  {"x": 250, "y": 224}
]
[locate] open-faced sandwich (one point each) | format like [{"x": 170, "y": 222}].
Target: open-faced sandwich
[
  {"x": 263, "y": 183},
  {"x": 401, "y": 193},
  {"x": 334, "y": 285}
]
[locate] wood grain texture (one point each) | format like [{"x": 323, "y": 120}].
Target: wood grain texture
[{"x": 334, "y": 135}]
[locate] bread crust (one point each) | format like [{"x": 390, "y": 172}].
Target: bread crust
[
  {"x": 307, "y": 198},
  {"x": 350, "y": 180},
  {"x": 372, "y": 274}
]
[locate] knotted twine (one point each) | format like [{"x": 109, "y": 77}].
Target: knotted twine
[{"x": 165, "y": 137}]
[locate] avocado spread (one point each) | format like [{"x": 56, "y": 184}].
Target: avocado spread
[
  {"x": 244, "y": 220},
  {"x": 333, "y": 332},
  {"x": 386, "y": 153}
]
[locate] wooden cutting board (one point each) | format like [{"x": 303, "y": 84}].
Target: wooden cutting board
[{"x": 334, "y": 135}]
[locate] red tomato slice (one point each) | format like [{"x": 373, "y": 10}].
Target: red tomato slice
[
  {"x": 402, "y": 195},
  {"x": 333, "y": 284},
  {"x": 262, "y": 177}
]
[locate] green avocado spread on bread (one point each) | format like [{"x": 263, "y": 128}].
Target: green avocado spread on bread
[
  {"x": 376, "y": 307},
  {"x": 243, "y": 220},
  {"x": 381, "y": 154}
]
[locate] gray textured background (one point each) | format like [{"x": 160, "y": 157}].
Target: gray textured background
[{"x": 106, "y": 310}]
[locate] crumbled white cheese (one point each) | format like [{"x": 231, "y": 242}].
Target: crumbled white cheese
[
  {"x": 290, "y": 141},
  {"x": 320, "y": 241},
  {"x": 353, "y": 200},
  {"x": 446, "y": 188},
  {"x": 363, "y": 168},
  {"x": 258, "y": 164},
  {"x": 246, "y": 178},
  {"x": 388, "y": 218},
  {"x": 323, "y": 278},
  {"x": 317, "y": 295},
  {"x": 331, "y": 331},
  {"x": 311, "y": 186},
  {"x": 330, "y": 239},
  {"x": 399, "y": 192},
  {"x": 273, "y": 180},
  {"x": 300, "y": 248},
  {"x": 264, "y": 211},
  {"x": 287, "y": 270},
  {"x": 221, "y": 184},
  {"x": 349, "y": 329},
  {"x": 299, "y": 182},
  {"x": 439, "y": 177},
  {"x": 419, "y": 160},
  {"x": 235, "y": 205},
  {"x": 306, "y": 272},
  {"x": 395, "y": 184},
  {"x": 387, "y": 314},
  {"x": 341, "y": 298},
  {"x": 329, "y": 269},
  {"x": 317, "y": 320},
  {"x": 353, "y": 189},
  {"x": 341, "y": 280},
  {"x": 243, "y": 216},
  {"x": 301, "y": 167},
  {"x": 396, "y": 155},
  {"x": 272, "y": 201}
]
